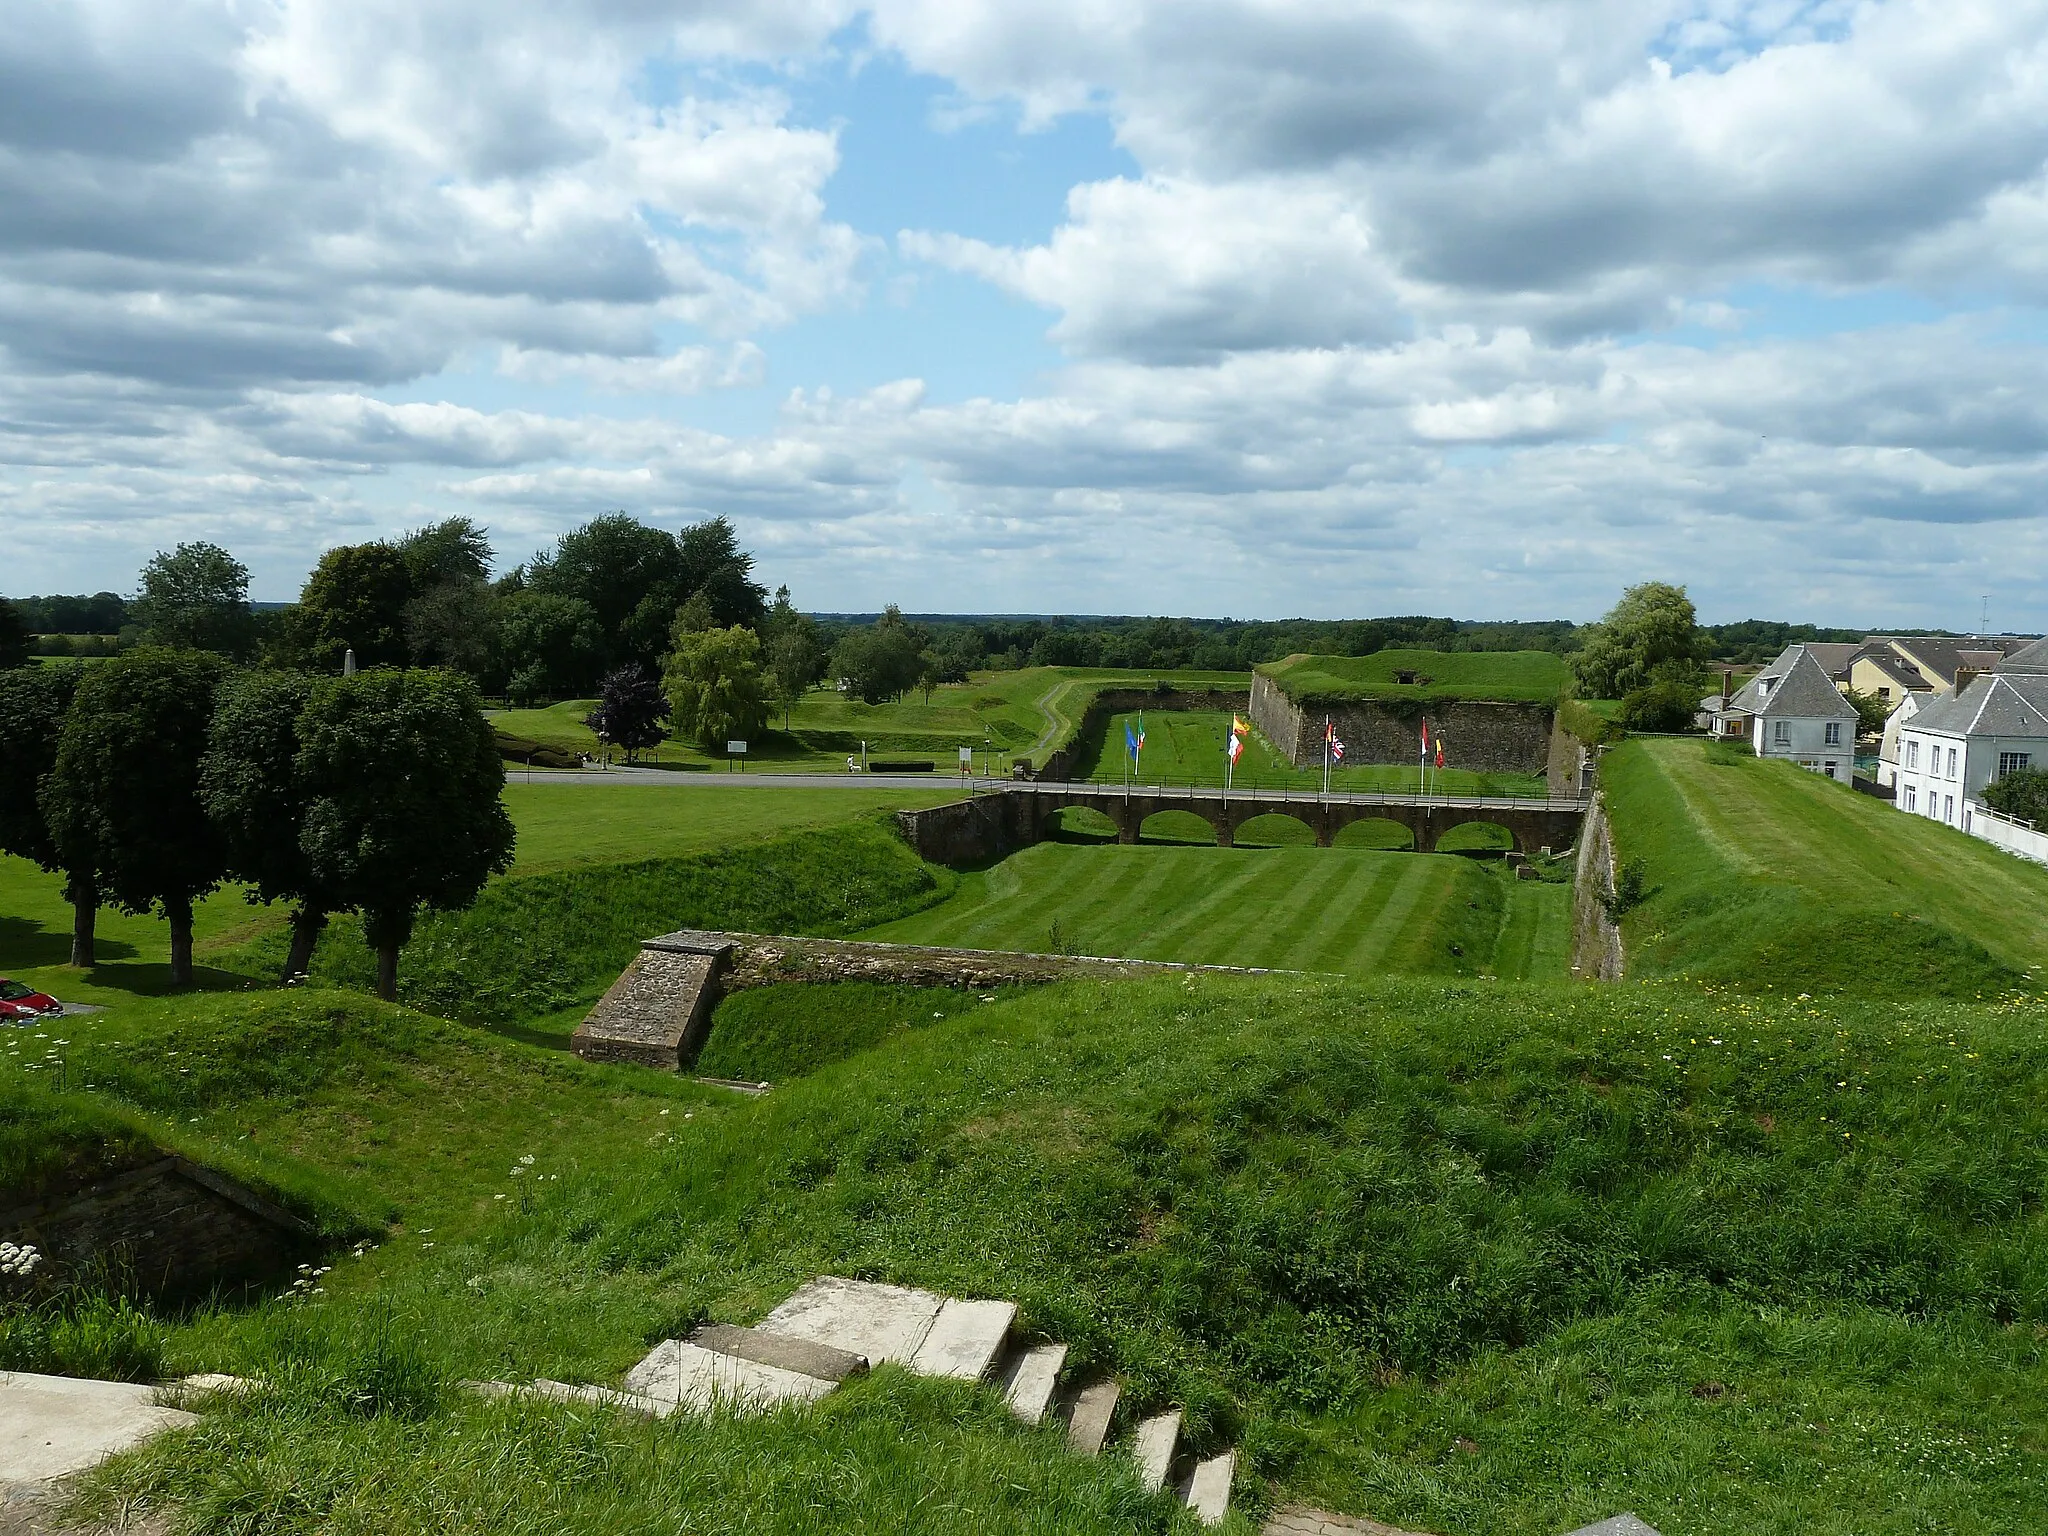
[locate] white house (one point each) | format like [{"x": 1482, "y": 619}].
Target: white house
[
  {"x": 1793, "y": 710},
  {"x": 1953, "y": 747},
  {"x": 1888, "y": 752}
]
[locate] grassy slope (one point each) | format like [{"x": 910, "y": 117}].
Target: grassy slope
[
  {"x": 1766, "y": 875},
  {"x": 1533, "y": 676},
  {"x": 1312, "y": 909},
  {"x": 1188, "y": 749},
  {"x": 1741, "y": 1265}
]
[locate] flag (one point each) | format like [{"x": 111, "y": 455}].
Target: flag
[
  {"x": 1439, "y": 751},
  {"x": 1236, "y": 746},
  {"x": 1336, "y": 748},
  {"x": 1238, "y": 727},
  {"x": 1425, "y": 735},
  {"x": 1133, "y": 742}
]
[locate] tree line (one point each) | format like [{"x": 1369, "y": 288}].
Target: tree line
[{"x": 150, "y": 779}]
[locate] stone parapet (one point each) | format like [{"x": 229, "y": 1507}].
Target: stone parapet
[
  {"x": 657, "y": 1012},
  {"x": 1481, "y": 735}
]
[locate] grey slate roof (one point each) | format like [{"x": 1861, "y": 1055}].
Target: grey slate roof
[
  {"x": 2032, "y": 657},
  {"x": 1996, "y": 704},
  {"x": 1889, "y": 662},
  {"x": 1834, "y": 656},
  {"x": 1800, "y": 687}
]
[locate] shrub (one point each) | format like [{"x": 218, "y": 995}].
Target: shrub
[
  {"x": 1665, "y": 706},
  {"x": 2023, "y": 795}
]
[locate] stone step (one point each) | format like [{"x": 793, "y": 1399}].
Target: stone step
[
  {"x": 1032, "y": 1378},
  {"x": 52, "y": 1426},
  {"x": 1088, "y": 1420},
  {"x": 1208, "y": 1489},
  {"x": 964, "y": 1339},
  {"x": 1153, "y": 1447},
  {"x": 878, "y": 1322},
  {"x": 1300, "y": 1520},
  {"x": 800, "y": 1355},
  {"x": 680, "y": 1375},
  {"x": 1625, "y": 1524},
  {"x": 602, "y": 1397}
]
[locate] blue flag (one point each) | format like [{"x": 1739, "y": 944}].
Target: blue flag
[{"x": 1132, "y": 741}]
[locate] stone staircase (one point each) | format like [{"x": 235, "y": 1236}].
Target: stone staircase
[{"x": 834, "y": 1329}]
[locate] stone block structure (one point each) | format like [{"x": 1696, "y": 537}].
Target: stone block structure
[
  {"x": 658, "y": 1011},
  {"x": 1486, "y": 736}
]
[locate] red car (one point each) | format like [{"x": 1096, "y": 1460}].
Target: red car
[{"x": 20, "y": 1003}]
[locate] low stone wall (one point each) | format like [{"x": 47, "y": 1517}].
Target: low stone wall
[
  {"x": 659, "y": 1010},
  {"x": 1480, "y": 735},
  {"x": 167, "y": 1228},
  {"x": 986, "y": 827},
  {"x": 1596, "y": 939}
]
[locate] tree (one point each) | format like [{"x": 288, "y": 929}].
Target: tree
[
  {"x": 404, "y": 807},
  {"x": 14, "y": 637},
  {"x": 551, "y": 644},
  {"x": 250, "y": 784},
  {"x": 197, "y": 598},
  {"x": 33, "y": 702},
  {"x": 1871, "y": 712},
  {"x": 1652, "y": 635},
  {"x": 123, "y": 793},
  {"x": 713, "y": 681},
  {"x": 454, "y": 624},
  {"x": 2023, "y": 794},
  {"x": 355, "y": 601},
  {"x": 714, "y": 564},
  {"x": 453, "y": 551},
  {"x": 881, "y": 661},
  {"x": 1666, "y": 706},
  {"x": 630, "y": 709},
  {"x": 794, "y": 654},
  {"x": 631, "y": 576},
  {"x": 931, "y": 671}
]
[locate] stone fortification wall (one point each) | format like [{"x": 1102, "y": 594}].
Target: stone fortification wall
[
  {"x": 165, "y": 1228},
  {"x": 1081, "y": 754},
  {"x": 972, "y": 831},
  {"x": 1596, "y": 940},
  {"x": 1478, "y": 734}
]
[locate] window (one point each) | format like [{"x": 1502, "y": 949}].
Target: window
[
  {"x": 1834, "y": 738},
  {"x": 2013, "y": 762},
  {"x": 1912, "y": 798},
  {"x": 1885, "y": 694},
  {"x": 1948, "y": 809},
  {"x": 1912, "y": 754},
  {"x": 1781, "y": 732},
  {"x": 1951, "y": 762}
]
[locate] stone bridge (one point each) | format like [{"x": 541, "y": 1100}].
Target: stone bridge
[{"x": 996, "y": 821}]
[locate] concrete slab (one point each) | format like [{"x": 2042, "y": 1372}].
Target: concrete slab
[
  {"x": 1208, "y": 1493},
  {"x": 964, "y": 1339},
  {"x": 1298, "y": 1520},
  {"x": 681, "y": 1375},
  {"x": 800, "y": 1355},
  {"x": 52, "y": 1426},
  {"x": 1153, "y": 1447},
  {"x": 880, "y": 1322},
  {"x": 1033, "y": 1376},
  {"x": 602, "y": 1397},
  {"x": 1625, "y": 1524},
  {"x": 1088, "y": 1424}
]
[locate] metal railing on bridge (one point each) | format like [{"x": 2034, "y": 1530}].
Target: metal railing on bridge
[{"x": 1286, "y": 795}]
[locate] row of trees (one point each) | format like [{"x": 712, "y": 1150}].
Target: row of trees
[{"x": 149, "y": 779}]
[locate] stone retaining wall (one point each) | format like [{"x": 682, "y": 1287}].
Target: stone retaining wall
[
  {"x": 1481, "y": 735},
  {"x": 977, "y": 830},
  {"x": 1596, "y": 940},
  {"x": 165, "y": 1228},
  {"x": 1087, "y": 746}
]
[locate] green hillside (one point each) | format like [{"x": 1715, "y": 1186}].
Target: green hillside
[
  {"x": 1537, "y": 677},
  {"x": 1471, "y": 1257},
  {"x": 1350, "y": 910},
  {"x": 1765, "y": 876}
]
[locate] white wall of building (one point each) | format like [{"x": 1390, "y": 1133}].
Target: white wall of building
[
  {"x": 1805, "y": 741},
  {"x": 2016, "y": 837},
  {"x": 1939, "y": 773}
]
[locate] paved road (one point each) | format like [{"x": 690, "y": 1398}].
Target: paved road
[{"x": 953, "y": 783}]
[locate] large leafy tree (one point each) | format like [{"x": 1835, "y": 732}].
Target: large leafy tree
[
  {"x": 123, "y": 793},
  {"x": 197, "y": 598},
  {"x": 2023, "y": 794},
  {"x": 714, "y": 685},
  {"x": 13, "y": 637},
  {"x": 714, "y": 564},
  {"x": 355, "y": 600},
  {"x": 629, "y": 574},
  {"x": 33, "y": 702},
  {"x": 1651, "y": 636},
  {"x": 549, "y": 643},
  {"x": 450, "y": 617},
  {"x": 630, "y": 710},
  {"x": 882, "y": 661},
  {"x": 251, "y": 785},
  {"x": 404, "y": 807}
]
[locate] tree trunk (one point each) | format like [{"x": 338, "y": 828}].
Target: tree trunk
[
  {"x": 307, "y": 926},
  {"x": 85, "y": 910},
  {"x": 387, "y": 972},
  {"x": 180, "y": 914}
]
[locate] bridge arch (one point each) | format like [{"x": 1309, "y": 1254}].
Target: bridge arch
[
  {"x": 1079, "y": 824},
  {"x": 1375, "y": 832},
  {"x": 1474, "y": 835},
  {"x": 1176, "y": 826},
  {"x": 1273, "y": 829}
]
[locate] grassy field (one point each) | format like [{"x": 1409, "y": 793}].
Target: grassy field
[
  {"x": 1761, "y": 874},
  {"x": 1532, "y": 676},
  {"x": 1312, "y": 909},
  {"x": 1187, "y": 748},
  {"x": 1010, "y": 714},
  {"x": 1477, "y": 1258}
]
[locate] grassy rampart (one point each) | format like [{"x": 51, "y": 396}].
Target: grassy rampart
[{"x": 1532, "y": 677}]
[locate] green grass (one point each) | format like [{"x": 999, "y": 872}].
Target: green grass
[
  {"x": 768, "y": 1034},
  {"x": 1536, "y": 677},
  {"x": 1187, "y": 748},
  {"x": 1763, "y": 875},
  {"x": 1347, "y": 910},
  {"x": 1747, "y": 1265}
]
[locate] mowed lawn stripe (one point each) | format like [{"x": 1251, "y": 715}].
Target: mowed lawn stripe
[
  {"x": 1326, "y": 943},
  {"x": 1349, "y": 948},
  {"x": 1382, "y": 941},
  {"x": 1168, "y": 941},
  {"x": 1258, "y": 928},
  {"x": 1115, "y": 906}
]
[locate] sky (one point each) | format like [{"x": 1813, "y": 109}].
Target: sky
[{"x": 1247, "y": 308}]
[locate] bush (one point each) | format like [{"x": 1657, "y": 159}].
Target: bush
[
  {"x": 1666, "y": 706},
  {"x": 2023, "y": 795}
]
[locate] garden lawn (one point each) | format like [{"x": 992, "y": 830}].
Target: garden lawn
[
  {"x": 1346, "y": 910},
  {"x": 1537, "y": 677},
  {"x": 1187, "y": 748},
  {"x": 1476, "y": 1258},
  {"x": 1763, "y": 875}
]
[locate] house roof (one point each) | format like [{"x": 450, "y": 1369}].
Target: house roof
[
  {"x": 1798, "y": 686},
  {"x": 1834, "y": 656},
  {"x": 1996, "y": 704},
  {"x": 1888, "y": 661},
  {"x": 2031, "y": 657},
  {"x": 1949, "y": 654}
]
